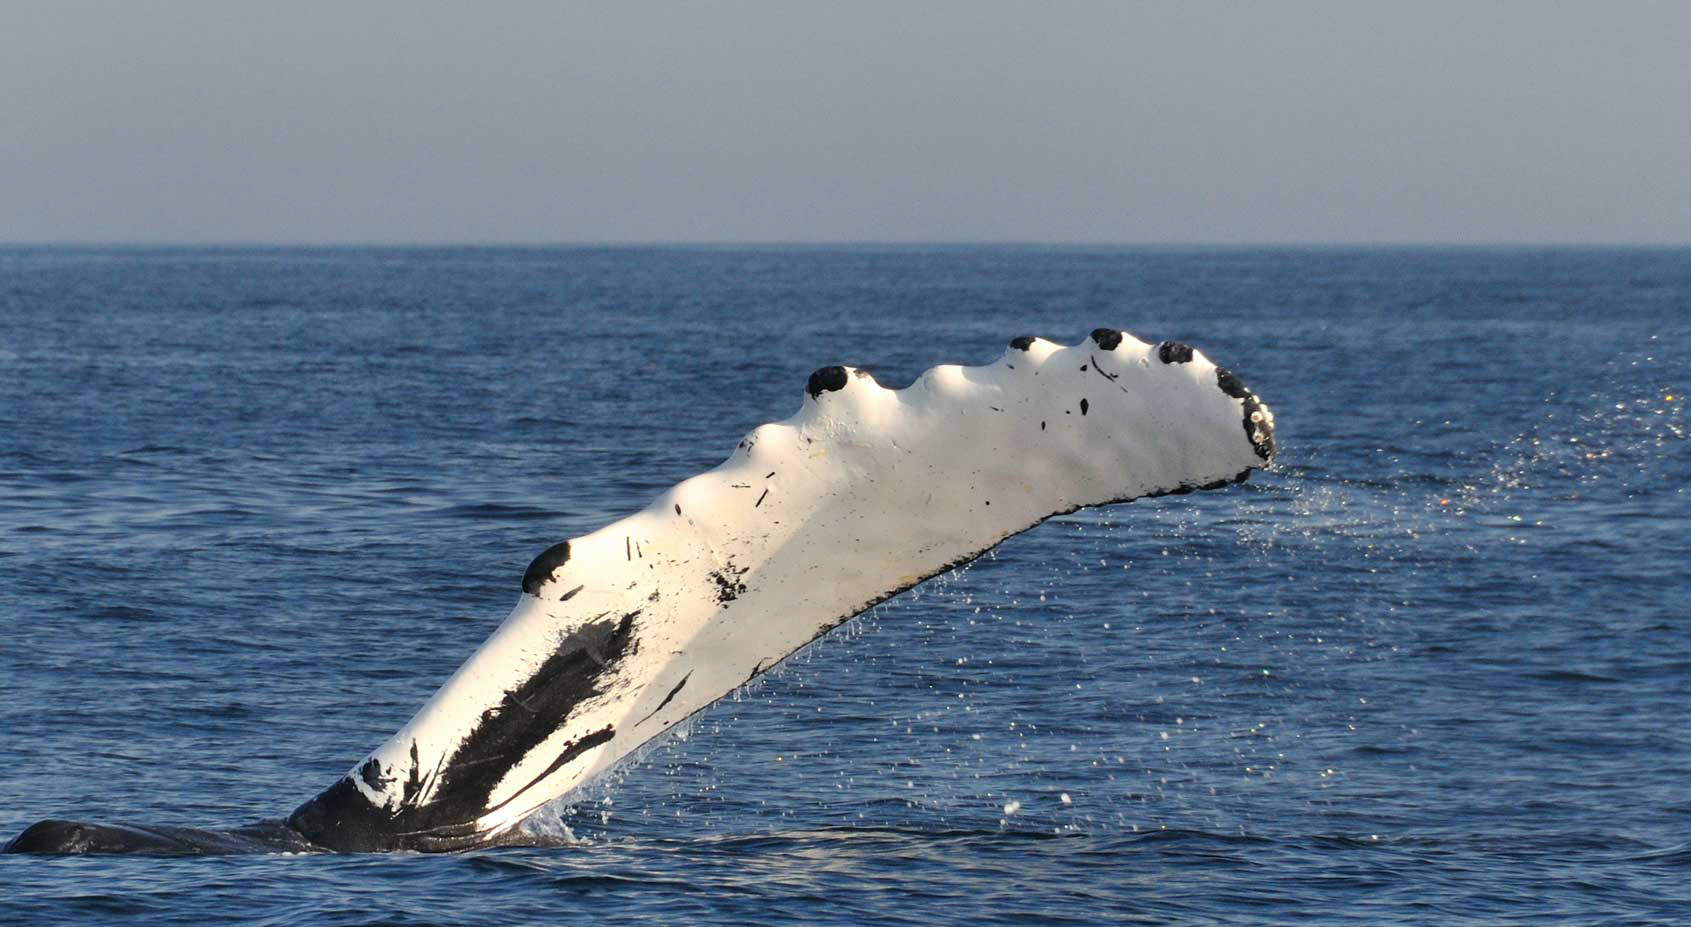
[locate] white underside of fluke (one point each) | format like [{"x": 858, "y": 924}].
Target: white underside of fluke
[{"x": 864, "y": 492}]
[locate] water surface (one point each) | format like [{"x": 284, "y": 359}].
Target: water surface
[{"x": 256, "y": 505}]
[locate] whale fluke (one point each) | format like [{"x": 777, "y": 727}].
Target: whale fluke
[{"x": 620, "y": 634}]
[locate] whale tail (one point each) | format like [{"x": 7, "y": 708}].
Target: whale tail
[{"x": 621, "y": 634}]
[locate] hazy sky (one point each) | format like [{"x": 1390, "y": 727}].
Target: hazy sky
[{"x": 965, "y": 121}]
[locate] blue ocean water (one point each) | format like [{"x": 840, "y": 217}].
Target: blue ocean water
[{"x": 256, "y": 504}]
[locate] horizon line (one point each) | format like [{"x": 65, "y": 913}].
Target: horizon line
[{"x": 821, "y": 244}]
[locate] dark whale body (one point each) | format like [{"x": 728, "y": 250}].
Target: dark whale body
[{"x": 56, "y": 836}]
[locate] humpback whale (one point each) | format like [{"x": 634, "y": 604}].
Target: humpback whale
[{"x": 620, "y": 634}]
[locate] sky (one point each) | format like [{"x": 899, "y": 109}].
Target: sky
[{"x": 1137, "y": 123}]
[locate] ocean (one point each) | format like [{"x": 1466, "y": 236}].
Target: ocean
[{"x": 1434, "y": 667}]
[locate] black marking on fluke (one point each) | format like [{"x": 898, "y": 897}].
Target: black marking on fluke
[
  {"x": 414, "y": 780},
  {"x": 539, "y": 571},
  {"x": 828, "y": 379},
  {"x": 1174, "y": 352},
  {"x": 1185, "y": 488},
  {"x": 1106, "y": 338},
  {"x": 1261, "y": 434},
  {"x": 571, "y": 750},
  {"x": 1023, "y": 342},
  {"x": 666, "y": 699},
  {"x": 341, "y": 818},
  {"x": 371, "y": 773},
  {"x": 728, "y": 585},
  {"x": 1083, "y": 406}
]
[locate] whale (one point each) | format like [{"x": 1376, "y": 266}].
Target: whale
[{"x": 622, "y": 633}]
